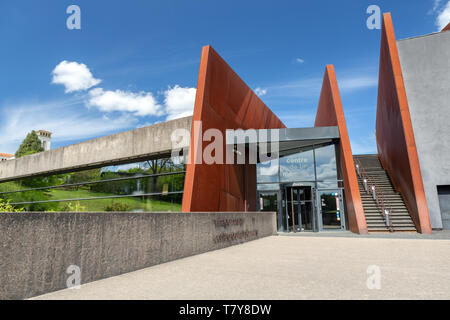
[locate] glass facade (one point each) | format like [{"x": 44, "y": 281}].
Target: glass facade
[
  {"x": 297, "y": 167},
  {"x": 316, "y": 165},
  {"x": 153, "y": 185},
  {"x": 326, "y": 167},
  {"x": 267, "y": 172},
  {"x": 303, "y": 187}
]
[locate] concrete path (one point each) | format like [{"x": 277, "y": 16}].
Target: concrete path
[{"x": 291, "y": 267}]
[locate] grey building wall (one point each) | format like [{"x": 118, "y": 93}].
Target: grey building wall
[
  {"x": 36, "y": 249},
  {"x": 425, "y": 63},
  {"x": 125, "y": 147},
  {"x": 444, "y": 203}
]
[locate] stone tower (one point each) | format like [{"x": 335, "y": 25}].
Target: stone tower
[{"x": 46, "y": 138}]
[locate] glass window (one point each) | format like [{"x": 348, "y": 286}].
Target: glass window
[
  {"x": 326, "y": 164},
  {"x": 297, "y": 167},
  {"x": 327, "y": 184},
  {"x": 268, "y": 186},
  {"x": 267, "y": 171},
  {"x": 144, "y": 186}
]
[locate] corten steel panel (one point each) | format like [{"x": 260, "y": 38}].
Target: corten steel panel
[
  {"x": 330, "y": 113},
  {"x": 223, "y": 101},
  {"x": 447, "y": 28},
  {"x": 395, "y": 138}
]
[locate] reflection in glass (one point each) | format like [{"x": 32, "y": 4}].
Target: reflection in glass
[
  {"x": 153, "y": 185},
  {"x": 268, "y": 202},
  {"x": 327, "y": 184},
  {"x": 268, "y": 186},
  {"x": 267, "y": 171},
  {"x": 297, "y": 167},
  {"x": 129, "y": 204},
  {"x": 331, "y": 211},
  {"x": 326, "y": 163},
  {"x": 299, "y": 208}
]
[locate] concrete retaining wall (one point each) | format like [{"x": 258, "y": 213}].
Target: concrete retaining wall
[{"x": 37, "y": 248}]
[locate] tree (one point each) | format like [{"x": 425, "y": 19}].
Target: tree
[{"x": 30, "y": 145}]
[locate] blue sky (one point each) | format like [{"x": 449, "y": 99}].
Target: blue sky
[{"x": 134, "y": 63}]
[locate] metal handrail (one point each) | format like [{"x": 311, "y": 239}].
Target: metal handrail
[
  {"x": 377, "y": 194},
  {"x": 86, "y": 183}
]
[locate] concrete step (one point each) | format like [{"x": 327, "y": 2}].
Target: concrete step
[
  {"x": 391, "y": 201},
  {"x": 393, "y": 218},
  {"x": 400, "y": 218},
  {"x": 385, "y": 229},
  {"x": 395, "y": 226},
  {"x": 393, "y": 206},
  {"x": 392, "y": 196},
  {"x": 389, "y": 206},
  {"x": 393, "y": 215}
]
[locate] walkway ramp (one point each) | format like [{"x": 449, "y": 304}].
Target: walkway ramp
[{"x": 126, "y": 147}]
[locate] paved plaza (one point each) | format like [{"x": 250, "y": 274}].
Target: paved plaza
[{"x": 293, "y": 266}]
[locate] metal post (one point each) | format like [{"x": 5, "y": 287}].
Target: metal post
[
  {"x": 386, "y": 213},
  {"x": 374, "y": 193},
  {"x": 292, "y": 206},
  {"x": 365, "y": 184}
]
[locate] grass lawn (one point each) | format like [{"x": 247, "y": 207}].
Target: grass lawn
[{"x": 136, "y": 203}]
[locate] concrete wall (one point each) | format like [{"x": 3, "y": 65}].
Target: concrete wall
[
  {"x": 425, "y": 63},
  {"x": 37, "y": 248},
  {"x": 444, "y": 204},
  {"x": 124, "y": 147}
]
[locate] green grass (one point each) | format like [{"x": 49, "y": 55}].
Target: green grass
[{"x": 136, "y": 203}]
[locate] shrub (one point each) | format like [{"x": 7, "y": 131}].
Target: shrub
[
  {"x": 73, "y": 207},
  {"x": 117, "y": 206},
  {"x": 6, "y": 207}
]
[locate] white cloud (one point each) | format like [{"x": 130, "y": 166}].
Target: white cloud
[
  {"x": 436, "y": 5},
  {"x": 310, "y": 87},
  {"x": 179, "y": 102},
  {"x": 140, "y": 104},
  {"x": 358, "y": 82},
  {"x": 443, "y": 17},
  {"x": 364, "y": 144},
  {"x": 63, "y": 118},
  {"x": 269, "y": 169},
  {"x": 74, "y": 76},
  {"x": 299, "y": 60},
  {"x": 305, "y": 117},
  {"x": 260, "y": 91}
]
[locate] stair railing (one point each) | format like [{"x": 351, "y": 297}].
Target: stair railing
[{"x": 378, "y": 196}]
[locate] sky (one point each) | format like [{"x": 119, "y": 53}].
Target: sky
[{"x": 135, "y": 63}]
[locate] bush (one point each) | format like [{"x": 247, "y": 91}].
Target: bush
[
  {"x": 73, "y": 207},
  {"x": 118, "y": 206},
  {"x": 6, "y": 207}
]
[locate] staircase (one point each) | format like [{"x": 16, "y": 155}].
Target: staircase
[{"x": 401, "y": 220}]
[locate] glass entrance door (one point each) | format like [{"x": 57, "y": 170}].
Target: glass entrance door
[
  {"x": 299, "y": 209},
  {"x": 331, "y": 210},
  {"x": 270, "y": 201}
]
